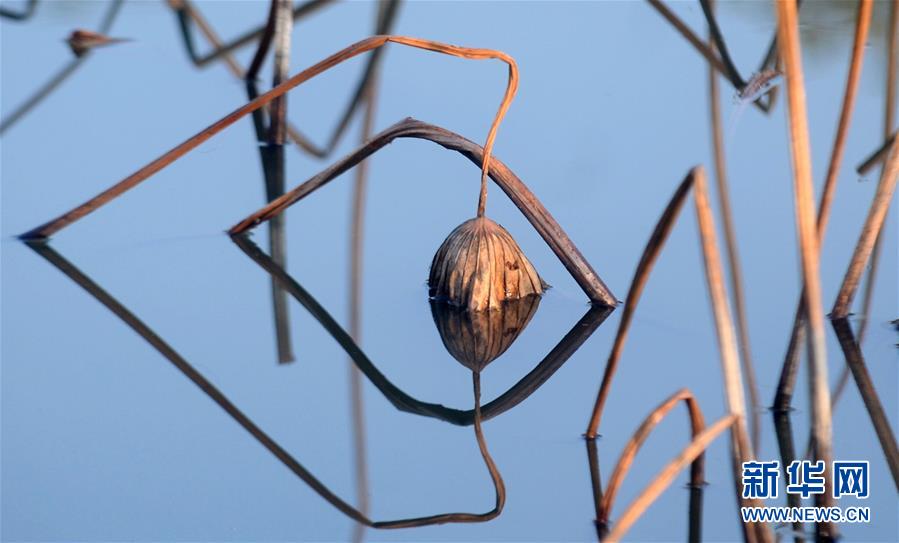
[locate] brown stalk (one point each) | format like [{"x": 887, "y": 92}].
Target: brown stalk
[
  {"x": 641, "y": 276},
  {"x": 278, "y": 109},
  {"x": 186, "y": 10},
  {"x": 357, "y": 232},
  {"x": 718, "y": 40},
  {"x": 730, "y": 243},
  {"x": 225, "y": 49},
  {"x": 875, "y": 158},
  {"x": 357, "y": 48},
  {"x": 727, "y": 340},
  {"x": 890, "y": 108},
  {"x": 517, "y": 393},
  {"x": 595, "y": 484},
  {"x": 888, "y": 127},
  {"x": 273, "y": 164},
  {"x": 870, "y": 231},
  {"x": 273, "y": 167},
  {"x": 39, "y": 95},
  {"x": 788, "y": 41},
  {"x": 787, "y": 383},
  {"x": 133, "y": 322},
  {"x": 713, "y": 59},
  {"x": 26, "y": 13},
  {"x": 265, "y": 42},
  {"x": 517, "y": 191},
  {"x": 665, "y": 477},
  {"x": 632, "y": 447},
  {"x": 783, "y": 428},
  {"x": 741, "y": 445},
  {"x": 856, "y": 362},
  {"x": 733, "y": 385}
]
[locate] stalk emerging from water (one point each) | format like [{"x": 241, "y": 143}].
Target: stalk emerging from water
[{"x": 788, "y": 42}]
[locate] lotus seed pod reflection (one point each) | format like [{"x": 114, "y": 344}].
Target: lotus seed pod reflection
[
  {"x": 479, "y": 266},
  {"x": 476, "y": 338}
]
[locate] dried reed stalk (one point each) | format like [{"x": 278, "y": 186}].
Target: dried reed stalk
[
  {"x": 26, "y": 13},
  {"x": 641, "y": 276},
  {"x": 741, "y": 445},
  {"x": 283, "y": 25},
  {"x": 703, "y": 49},
  {"x": 783, "y": 428},
  {"x": 516, "y": 394},
  {"x": 265, "y": 42},
  {"x": 273, "y": 166},
  {"x": 626, "y": 459},
  {"x": 357, "y": 232},
  {"x": 888, "y": 128},
  {"x": 222, "y": 50},
  {"x": 133, "y": 322},
  {"x": 189, "y": 14},
  {"x": 733, "y": 385},
  {"x": 595, "y": 485},
  {"x": 665, "y": 477},
  {"x": 730, "y": 243},
  {"x": 386, "y": 15},
  {"x": 856, "y": 362},
  {"x": 788, "y": 41},
  {"x": 875, "y": 158},
  {"x": 787, "y": 382},
  {"x": 718, "y": 39},
  {"x": 39, "y": 95},
  {"x": 870, "y": 231},
  {"x": 357, "y": 48},
  {"x": 514, "y": 188}
]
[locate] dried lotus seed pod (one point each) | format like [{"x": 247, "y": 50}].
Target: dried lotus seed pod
[
  {"x": 476, "y": 338},
  {"x": 479, "y": 266}
]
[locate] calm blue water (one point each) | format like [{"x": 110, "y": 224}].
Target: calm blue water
[{"x": 102, "y": 439}]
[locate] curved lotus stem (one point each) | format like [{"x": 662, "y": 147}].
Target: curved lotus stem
[
  {"x": 697, "y": 425},
  {"x": 664, "y": 478},
  {"x": 368, "y": 44}
]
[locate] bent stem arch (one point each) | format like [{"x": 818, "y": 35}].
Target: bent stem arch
[
  {"x": 697, "y": 425},
  {"x": 368, "y": 44},
  {"x": 264, "y": 439},
  {"x": 519, "y": 392},
  {"x": 515, "y": 189},
  {"x": 665, "y": 477}
]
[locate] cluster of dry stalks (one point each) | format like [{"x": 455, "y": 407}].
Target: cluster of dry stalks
[
  {"x": 809, "y": 321},
  {"x": 269, "y": 111}
]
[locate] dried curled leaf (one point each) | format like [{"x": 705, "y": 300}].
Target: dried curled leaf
[
  {"x": 82, "y": 41},
  {"x": 476, "y": 338},
  {"x": 479, "y": 266}
]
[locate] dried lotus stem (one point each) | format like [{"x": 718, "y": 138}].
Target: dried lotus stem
[
  {"x": 871, "y": 230},
  {"x": 875, "y": 158},
  {"x": 697, "y": 425},
  {"x": 539, "y": 217},
  {"x": 803, "y": 190},
  {"x": 789, "y": 369},
  {"x": 47, "y": 229},
  {"x": 641, "y": 276},
  {"x": 264, "y": 439},
  {"x": 666, "y": 476}
]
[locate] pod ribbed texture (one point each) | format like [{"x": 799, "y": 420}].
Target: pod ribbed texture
[
  {"x": 479, "y": 266},
  {"x": 476, "y": 338}
]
